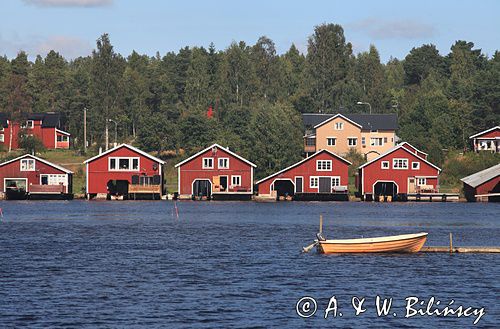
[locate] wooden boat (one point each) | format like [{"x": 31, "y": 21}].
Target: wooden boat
[{"x": 405, "y": 243}]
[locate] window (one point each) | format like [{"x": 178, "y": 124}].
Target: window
[
  {"x": 384, "y": 164},
  {"x": 223, "y": 163},
  {"x": 385, "y": 140},
  {"x": 324, "y": 165},
  {"x": 363, "y": 140},
  {"x": 27, "y": 165},
  {"x": 208, "y": 163},
  {"x": 2, "y": 128},
  {"x": 123, "y": 164},
  {"x": 400, "y": 163},
  {"x": 339, "y": 125},
  {"x": 30, "y": 124},
  {"x": 313, "y": 182},
  {"x": 330, "y": 141},
  {"x": 310, "y": 141},
  {"x": 236, "y": 180},
  {"x": 335, "y": 181},
  {"x": 352, "y": 141},
  {"x": 376, "y": 141},
  {"x": 421, "y": 181},
  {"x": 415, "y": 165},
  {"x": 62, "y": 138},
  {"x": 2, "y": 138}
]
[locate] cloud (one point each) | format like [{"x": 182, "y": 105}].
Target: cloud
[
  {"x": 69, "y": 47},
  {"x": 69, "y": 3},
  {"x": 394, "y": 29}
]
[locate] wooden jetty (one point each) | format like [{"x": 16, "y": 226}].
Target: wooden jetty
[
  {"x": 451, "y": 249},
  {"x": 432, "y": 197}
]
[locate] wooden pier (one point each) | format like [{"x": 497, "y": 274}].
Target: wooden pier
[
  {"x": 433, "y": 197},
  {"x": 461, "y": 249}
]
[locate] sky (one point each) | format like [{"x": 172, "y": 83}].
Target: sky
[{"x": 72, "y": 27}]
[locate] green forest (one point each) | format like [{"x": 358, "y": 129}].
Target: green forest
[{"x": 159, "y": 103}]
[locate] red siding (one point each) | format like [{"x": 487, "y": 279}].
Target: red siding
[
  {"x": 373, "y": 172},
  {"x": 46, "y": 135},
  {"x": 492, "y": 134},
  {"x": 13, "y": 170},
  {"x": 487, "y": 187},
  {"x": 307, "y": 169},
  {"x": 411, "y": 148},
  {"x": 98, "y": 173},
  {"x": 193, "y": 170}
]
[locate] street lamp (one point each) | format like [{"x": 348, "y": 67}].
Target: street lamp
[
  {"x": 365, "y": 103},
  {"x": 116, "y": 127}
]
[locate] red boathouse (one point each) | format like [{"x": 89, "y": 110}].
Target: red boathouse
[
  {"x": 31, "y": 177},
  {"x": 397, "y": 173},
  {"x": 124, "y": 172},
  {"x": 44, "y": 126},
  {"x": 488, "y": 140},
  {"x": 321, "y": 176},
  {"x": 483, "y": 185},
  {"x": 215, "y": 172}
]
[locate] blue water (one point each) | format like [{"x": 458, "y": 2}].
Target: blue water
[{"x": 135, "y": 264}]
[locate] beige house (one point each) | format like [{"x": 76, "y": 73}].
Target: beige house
[{"x": 368, "y": 134}]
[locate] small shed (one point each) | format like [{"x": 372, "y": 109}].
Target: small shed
[
  {"x": 483, "y": 185},
  {"x": 215, "y": 173},
  {"x": 397, "y": 173},
  {"x": 321, "y": 176},
  {"x": 124, "y": 172},
  {"x": 29, "y": 176}
]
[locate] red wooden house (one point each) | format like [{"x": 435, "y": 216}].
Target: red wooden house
[
  {"x": 44, "y": 126},
  {"x": 397, "y": 173},
  {"x": 215, "y": 172},
  {"x": 483, "y": 185},
  {"x": 31, "y": 177},
  {"x": 124, "y": 172},
  {"x": 488, "y": 140},
  {"x": 415, "y": 150},
  {"x": 322, "y": 176}
]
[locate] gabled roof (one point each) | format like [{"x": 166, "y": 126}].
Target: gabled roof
[
  {"x": 37, "y": 159},
  {"x": 366, "y": 121},
  {"x": 400, "y": 146},
  {"x": 130, "y": 147},
  {"x": 336, "y": 116},
  {"x": 483, "y": 176},
  {"x": 302, "y": 161},
  {"x": 63, "y": 132},
  {"x": 416, "y": 149},
  {"x": 216, "y": 146},
  {"x": 484, "y": 132}
]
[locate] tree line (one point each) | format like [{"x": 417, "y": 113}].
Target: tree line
[{"x": 257, "y": 96}]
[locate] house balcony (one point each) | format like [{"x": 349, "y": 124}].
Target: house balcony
[
  {"x": 47, "y": 189},
  {"x": 144, "y": 189},
  {"x": 231, "y": 189}
]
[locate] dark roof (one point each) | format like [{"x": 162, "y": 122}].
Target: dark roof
[
  {"x": 368, "y": 121},
  {"x": 3, "y": 120},
  {"x": 49, "y": 120}
]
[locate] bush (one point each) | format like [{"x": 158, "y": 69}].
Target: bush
[
  {"x": 31, "y": 144},
  {"x": 458, "y": 166}
]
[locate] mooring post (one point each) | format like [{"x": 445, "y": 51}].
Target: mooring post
[
  {"x": 451, "y": 243},
  {"x": 320, "y": 223}
]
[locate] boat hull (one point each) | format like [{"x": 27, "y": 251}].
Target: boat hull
[{"x": 403, "y": 244}]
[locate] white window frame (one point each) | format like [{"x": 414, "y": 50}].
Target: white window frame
[
  {"x": 203, "y": 166},
  {"x": 331, "y": 138},
  {"x": 2, "y": 138},
  {"x": 219, "y": 163},
  {"x": 420, "y": 180},
  {"x": 376, "y": 141},
  {"x": 30, "y": 124},
  {"x": 238, "y": 178},
  {"x": 64, "y": 138},
  {"x": 323, "y": 165},
  {"x": 339, "y": 126},
  {"x": 363, "y": 140},
  {"x": 26, "y": 166},
  {"x": 386, "y": 163},
  {"x": 314, "y": 182},
  {"x": 403, "y": 162},
  {"x": 413, "y": 167},
  {"x": 130, "y": 163},
  {"x": 349, "y": 139},
  {"x": 335, "y": 179}
]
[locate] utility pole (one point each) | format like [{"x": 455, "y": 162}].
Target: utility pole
[
  {"x": 84, "y": 130},
  {"x": 106, "y": 136}
]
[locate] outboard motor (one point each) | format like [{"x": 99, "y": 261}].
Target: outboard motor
[{"x": 320, "y": 237}]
